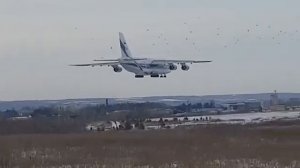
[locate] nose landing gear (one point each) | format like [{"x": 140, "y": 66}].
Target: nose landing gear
[{"x": 163, "y": 76}]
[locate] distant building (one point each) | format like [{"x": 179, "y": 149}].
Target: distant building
[
  {"x": 253, "y": 106},
  {"x": 20, "y": 118},
  {"x": 243, "y": 107},
  {"x": 278, "y": 107},
  {"x": 275, "y": 104},
  {"x": 235, "y": 107},
  {"x": 274, "y": 99},
  {"x": 103, "y": 126}
]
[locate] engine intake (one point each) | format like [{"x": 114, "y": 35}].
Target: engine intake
[
  {"x": 117, "y": 69},
  {"x": 172, "y": 67},
  {"x": 184, "y": 67}
]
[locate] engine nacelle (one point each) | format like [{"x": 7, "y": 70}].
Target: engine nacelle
[
  {"x": 172, "y": 67},
  {"x": 185, "y": 67},
  {"x": 117, "y": 69}
]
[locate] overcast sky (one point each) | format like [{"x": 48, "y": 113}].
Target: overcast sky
[{"x": 255, "y": 46}]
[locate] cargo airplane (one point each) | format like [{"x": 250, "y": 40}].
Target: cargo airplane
[{"x": 141, "y": 66}]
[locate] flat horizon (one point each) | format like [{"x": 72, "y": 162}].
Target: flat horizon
[{"x": 149, "y": 96}]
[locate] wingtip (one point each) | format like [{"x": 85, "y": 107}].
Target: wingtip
[
  {"x": 75, "y": 65},
  {"x": 204, "y": 61}
]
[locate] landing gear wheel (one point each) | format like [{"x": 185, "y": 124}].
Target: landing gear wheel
[
  {"x": 155, "y": 76},
  {"x": 139, "y": 76}
]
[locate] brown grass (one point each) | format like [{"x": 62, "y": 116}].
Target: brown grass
[
  {"x": 8, "y": 127},
  {"x": 221, "y": 146}
]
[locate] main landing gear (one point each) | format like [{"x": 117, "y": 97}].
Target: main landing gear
[
  {"x": 163, "y": 76},
  {"x": 139, "y": 76},
  {"x": 152, "y": 76},
  {"x": 158, "y": 75}
]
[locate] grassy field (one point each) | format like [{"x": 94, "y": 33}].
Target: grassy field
[{"x": 222, "y": 146}]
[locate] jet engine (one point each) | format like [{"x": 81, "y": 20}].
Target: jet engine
[
  {"x": 172, "y": 67},
  {"x": 117, "y": 69},
  {"x": 185, "y": 67}
]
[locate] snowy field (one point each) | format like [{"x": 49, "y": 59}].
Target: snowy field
[
  {"x": 254, "y": 117},
  {"x": 242, "y": 118}
]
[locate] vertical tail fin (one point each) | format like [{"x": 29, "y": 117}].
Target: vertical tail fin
[{"x": 125, "y": 52}]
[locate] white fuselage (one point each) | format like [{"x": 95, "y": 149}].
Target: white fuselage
[{"x": 144, "y": 67}]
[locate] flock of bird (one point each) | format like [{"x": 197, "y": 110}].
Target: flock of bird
[{"x": 255, "y": 32}]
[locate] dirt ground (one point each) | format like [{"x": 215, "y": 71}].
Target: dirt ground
[{"x": 275, "y": 144}]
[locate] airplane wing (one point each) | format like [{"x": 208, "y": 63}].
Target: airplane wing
[
  {"x": 98, "y": 64},
  {"x": 107, "y": 60},
  {"x": 179, "y": 61},
  {"x": 135, "y": 59}
]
